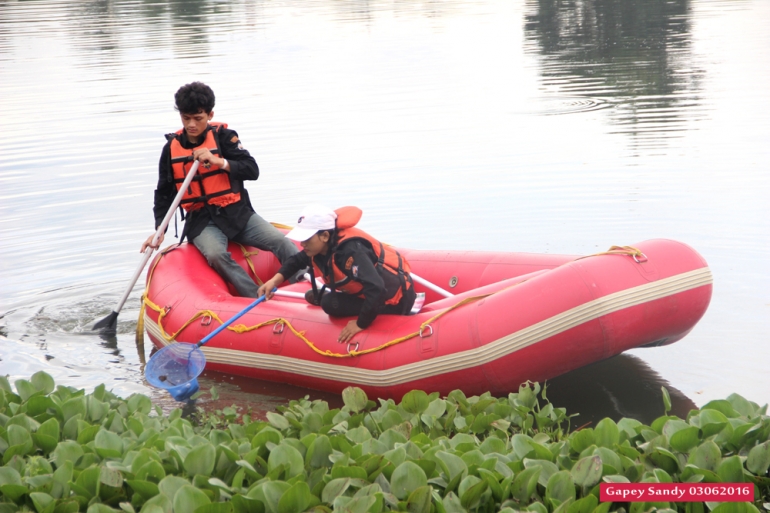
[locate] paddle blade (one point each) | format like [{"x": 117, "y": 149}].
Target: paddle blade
[
  {"x": 175, "y": 368},
  {"x": 108, "y": 325}
]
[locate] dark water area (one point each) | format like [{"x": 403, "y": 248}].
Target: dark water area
[{"x": 540, "y": 126}]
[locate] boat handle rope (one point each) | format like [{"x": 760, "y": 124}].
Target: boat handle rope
[
  {"x": 240, "y": 328},
  {"x": 631, "y": 251}
]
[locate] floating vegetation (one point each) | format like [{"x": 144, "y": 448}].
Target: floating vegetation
[{"x": 65, "y": 451}]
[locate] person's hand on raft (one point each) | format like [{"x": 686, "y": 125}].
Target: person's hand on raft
[
  {"x": 148, "y": 243},
  {"x": 267, "y": 289},
  {"x": 348, "y": 332}
]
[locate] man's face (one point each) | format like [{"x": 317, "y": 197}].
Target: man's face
[
  {"x": 315, "y": 244},
  {"x": 195, "y": 124}
]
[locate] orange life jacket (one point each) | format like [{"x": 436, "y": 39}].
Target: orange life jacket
[
  {"x": 211, "y": 185},
  {"x": 388, "y": 259}
]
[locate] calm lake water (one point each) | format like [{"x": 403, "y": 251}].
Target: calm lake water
[{"x": 541, "y": 126}]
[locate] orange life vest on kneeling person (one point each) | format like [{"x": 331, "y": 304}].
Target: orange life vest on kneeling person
[
  {"x": 388, "y": 259},
  {"x": 211, "y": 185}
]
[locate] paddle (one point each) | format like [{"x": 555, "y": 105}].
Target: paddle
[
  {"x": 109, "y": 324},
  {"x": 176, "y": 367}
]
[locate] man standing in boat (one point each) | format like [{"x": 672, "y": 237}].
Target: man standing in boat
[
  {"x": 216, "y": 204},
  {"x": 365, "y": 278}
]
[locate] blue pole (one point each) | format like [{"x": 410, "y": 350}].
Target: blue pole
[{"x": 232, "y": 319}]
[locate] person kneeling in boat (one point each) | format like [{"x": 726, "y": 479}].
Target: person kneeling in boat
[{"x": 364, "y": 277}]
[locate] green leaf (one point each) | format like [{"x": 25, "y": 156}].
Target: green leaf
[
  {"x": 278, "y": 421},
  {"x": 606, "y": 433},
  {"x": 452, "y": 465},
  {"x": 296, "y": 499},
  {"x": 146, "y": 489},
  {"x": 74, "y": 406},
  {"x": 759, "y": 459},
  {"x": 742, "y": 405},
  {"x": 159, "y": 502},
  {"x": 436, "y": 408},
  {"x": 666, "y": 400},
  {"x": 587, "y": 471},
  {"x": 216, "y": 507},
  {"x": 139, "y": 403},
  {"x": 110, "y": 477},
  {"x": 730, "y": 470},
  {"x": 98, "y": 507},
  {"x": 706, "y": 456},
  {"x": 43, "y": 382},
  {"x": 201, "y": 460},
  {"x": 721, "y": 406},
  {"x": 452, "y": 504},
  {"x": 470, "y": 491},
  {"x": 419, "y": 501},
  {"x": 271, "y": 493},
  {"x": 25, "y": 389},
  {"x": 585, "y": 505},
  {"x": 525, "y": 483},
  {"x": 288, "y": 456},
  {"x": 354, "y": 398},
  {"x": 268, "y": 434},
  {"x": 358, "y": 435},
  {"x": 151, "y": 469},
  {"x": 108, "y": 444},
  {"x": 243, "y": 504},
  {"x": 169, "y": 485},
  {"x": 189, "y": 498},
  {"x": 665, "y": 459},
  {"x": 318, "y": 453},
  {"x": 10, "y": 483},
  {"x": 406, "y": 478},
  {"x": 50, "y": 428},
  {"x": 334, "y": 489},
  {"x": 581, "y": 440},
  {"x": 415, "y": 401},
  {"x": 560, "y": 488},
  {"x": 547, "y": 469},
  {"x": 39, "y": 499}
]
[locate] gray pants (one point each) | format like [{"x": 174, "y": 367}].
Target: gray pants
[{"x": 258, "y": 233}]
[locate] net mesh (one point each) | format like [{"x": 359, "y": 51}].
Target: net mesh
[{"x": 175, "y": 368}]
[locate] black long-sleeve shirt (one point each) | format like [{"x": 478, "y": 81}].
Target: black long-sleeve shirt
[
  {"x": 242, "y": 166},
  {"x": 360, "y": 268}
]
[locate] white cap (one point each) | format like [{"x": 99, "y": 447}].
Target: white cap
[{"x": 314, "y": 218}]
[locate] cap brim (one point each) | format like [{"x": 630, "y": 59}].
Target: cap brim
[{"x": 301, "y": 234}]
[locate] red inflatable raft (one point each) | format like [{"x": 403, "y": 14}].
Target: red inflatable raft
[{"x": 514, "y": 317}]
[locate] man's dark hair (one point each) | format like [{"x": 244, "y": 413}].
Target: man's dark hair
[{"x": 194, "y": 98}]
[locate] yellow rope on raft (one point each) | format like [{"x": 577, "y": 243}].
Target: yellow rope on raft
[
  {"x": 240, "y": 328},
  {"x": 618, "y": 250}
]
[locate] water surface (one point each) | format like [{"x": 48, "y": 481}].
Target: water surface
[{"x": 543, "y": 126}]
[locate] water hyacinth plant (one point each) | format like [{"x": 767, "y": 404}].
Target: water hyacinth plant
[{"x": 65, "y": 451}]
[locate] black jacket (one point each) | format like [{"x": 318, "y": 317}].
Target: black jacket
[
  {"x": 377, "y": 287},
  {"x": 230, "y": 219}
]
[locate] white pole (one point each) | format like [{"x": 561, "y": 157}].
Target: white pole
[{"x": 434, "y": 288}]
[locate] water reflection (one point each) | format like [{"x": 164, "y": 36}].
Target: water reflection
[
  {"x": 622, "y": 386},
  {"x": 634, "y": 54}
]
